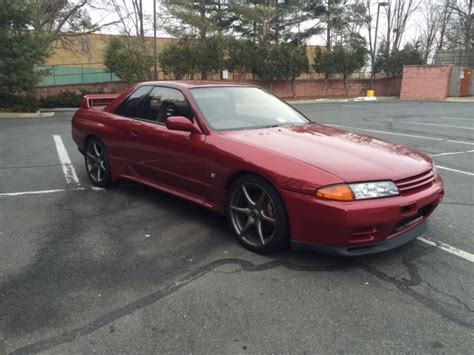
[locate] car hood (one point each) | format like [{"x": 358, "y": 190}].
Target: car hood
[{"x": 350, "y": 156}]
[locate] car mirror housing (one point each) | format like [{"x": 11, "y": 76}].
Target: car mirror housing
[{"x": 181, "y": 123}]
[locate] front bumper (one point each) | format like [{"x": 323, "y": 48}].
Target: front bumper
[
  {"x": 366, "y": 249},
  {"x": 360, "y": 227}
]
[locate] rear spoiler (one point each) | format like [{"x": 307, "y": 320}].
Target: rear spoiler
[{"x": 98, "y": 101}]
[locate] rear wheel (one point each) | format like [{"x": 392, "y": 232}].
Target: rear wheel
[
  {"x": 257, "y": 215},
  {"x": 97, "y": 163}
]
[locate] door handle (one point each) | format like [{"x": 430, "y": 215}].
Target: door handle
[{"x": 134, "y": 133}]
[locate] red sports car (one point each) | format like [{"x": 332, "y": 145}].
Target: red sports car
[{"x": 278, "y": 177}]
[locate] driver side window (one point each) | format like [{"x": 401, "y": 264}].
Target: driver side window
[{"x": 162, "y": 103}]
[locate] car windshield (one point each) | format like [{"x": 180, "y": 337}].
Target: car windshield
[{"x": 234, "y": 108}]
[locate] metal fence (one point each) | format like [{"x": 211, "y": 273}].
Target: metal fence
[
  {"x": 75, "y": 74},
  {"x": 69, "y": 74},
  {"x": 457, "y": 57}
]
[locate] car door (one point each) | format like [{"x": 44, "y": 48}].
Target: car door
[
  {"x": 118, "y": 128},
  {"x": 173, "y": 159}
]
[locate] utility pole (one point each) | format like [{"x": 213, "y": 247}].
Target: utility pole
[
  {"x": 155, "y": 69},
  {"x": 328, "y": 25},
  {"x": 372, "y": 77},
  {"x": 140, "y": 14},
  {"x": 328, "y": 34}
]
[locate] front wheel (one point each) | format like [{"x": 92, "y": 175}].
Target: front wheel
[
  {"x": 97, "y": 163},
  {"x": 257, "y": 215}
]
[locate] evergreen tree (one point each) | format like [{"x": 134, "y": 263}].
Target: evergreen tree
[
  {"x": 20, "y": 49},
  {"x": 126, "y": 58},
  {"x": 344, "y": 58}
]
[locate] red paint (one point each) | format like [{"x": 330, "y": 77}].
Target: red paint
[
  {"x": 180, "y": 123},
  {"x": 196, "y": 163}
]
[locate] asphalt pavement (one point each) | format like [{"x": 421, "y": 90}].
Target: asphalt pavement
[{"x": 132, "y": 270}]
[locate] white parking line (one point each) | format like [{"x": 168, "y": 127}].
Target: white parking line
[
  {"x": 452, "y": 153},
  {"x": 68, "y": 169},
  {"x": 455, "y": 170},
  {"x": 402, "y": 134},
  {"x": 437, "y": 125},
  {"x": 40, "y": 192},
  {"x": 448, "y": 248},
  {"x": 458, "y": 118}
]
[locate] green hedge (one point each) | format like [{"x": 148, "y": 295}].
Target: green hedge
[
  {"x": 19, "y": 103},
  {"x": 29, "y": 103},
  {"x": 65, "y": 99}
]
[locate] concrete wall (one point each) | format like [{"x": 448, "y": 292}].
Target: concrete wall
[
  {"x": 426, "y": 82},
  {"x": 303, "y": 88}
]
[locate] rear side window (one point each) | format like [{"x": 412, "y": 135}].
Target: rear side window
[
  {"x": 162, "y": 103},
  {"x": 130, "y": 106}
]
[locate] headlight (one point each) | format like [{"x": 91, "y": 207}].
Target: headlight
[
  {"x": 374, "y": 190},
  {"x": 435, "y": 171},
  {"x": 360, "y": 191}
]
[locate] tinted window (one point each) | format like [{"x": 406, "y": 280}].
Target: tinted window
[
  {"x": 130, "y": 106},
  {"x": 230, "y": 108},
  {"x": 162, "y": 103}
]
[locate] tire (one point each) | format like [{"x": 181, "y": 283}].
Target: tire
[
  {"x": 97, "y": 163},
  {"x": 257, "y": 216}
]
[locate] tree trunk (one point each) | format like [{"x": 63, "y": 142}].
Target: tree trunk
[
  {"x": 392, "y": 86},
  {"x": 293, "y": 87},
  {"x": 328, "y": 24},
  {"x": 345, "y": 85}
]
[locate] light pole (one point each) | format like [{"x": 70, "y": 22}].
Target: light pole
[
  {"x": 155, "y": 69},
  {"x": 372, "y": 76}
]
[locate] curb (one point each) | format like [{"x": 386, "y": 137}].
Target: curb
[
  {"x": 460, "y": 99},
  {"x": 63, "y": 109},
  {"x": 352, "y": 99},
  {"x": 37, "y": 114}
]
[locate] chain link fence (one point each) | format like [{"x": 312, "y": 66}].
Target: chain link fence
[{"x": 75, "y": 74}]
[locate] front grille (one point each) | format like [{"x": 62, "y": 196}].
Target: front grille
[
  {"x": 407, "y": 222},
  {"x": 416, "y": 183}
]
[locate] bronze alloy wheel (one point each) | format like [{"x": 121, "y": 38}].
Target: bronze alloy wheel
[{"x": 257, "y": 215}]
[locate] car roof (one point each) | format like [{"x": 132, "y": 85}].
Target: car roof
[{"x": 195, "y": 83}]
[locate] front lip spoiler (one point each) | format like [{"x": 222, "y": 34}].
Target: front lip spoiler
[{"x": 365, "y": 249}]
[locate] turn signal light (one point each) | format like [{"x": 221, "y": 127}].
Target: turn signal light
[{"x": 341, "y": 192}]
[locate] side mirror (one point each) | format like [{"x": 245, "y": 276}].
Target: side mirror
[{"x": 181, "y": 123}]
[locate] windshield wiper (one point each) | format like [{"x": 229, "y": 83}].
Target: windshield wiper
[{"x": 271, "y": 126}]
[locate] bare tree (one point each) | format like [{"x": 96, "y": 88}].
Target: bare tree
[
  {"x": 398, "y": 14},
  {"x": 131, "y": 17},
  {"x": 432, "y": 15},
  {"x": 460, "y": 31},
  {"x": 66, "y": 17},
  {"x": 447, "y": 10}
]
